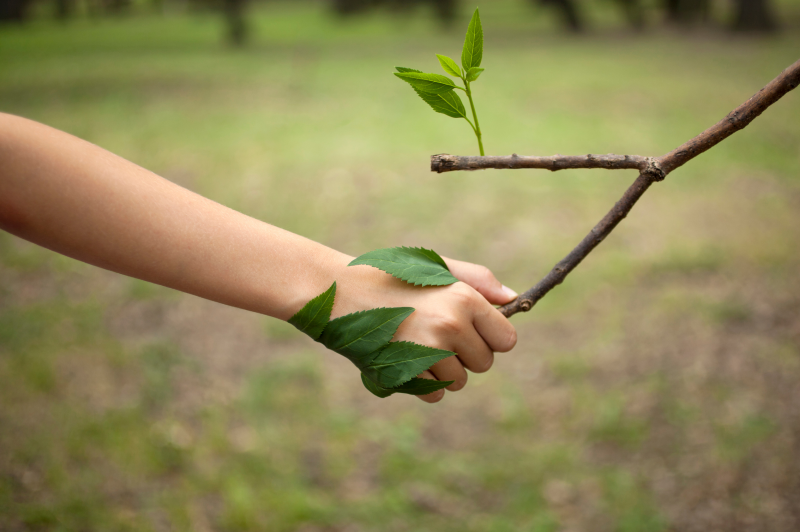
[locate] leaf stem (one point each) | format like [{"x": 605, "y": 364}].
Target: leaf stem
[
  {"x": 477, "y": 126},
  {"x": 471, "y": 125}
]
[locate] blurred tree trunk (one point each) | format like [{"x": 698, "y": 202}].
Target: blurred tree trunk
[
  {"x": 569, "y": 13},
  {"x": 117, "y": 7},
  {"x": 754, "y": 15},
  {"x": 349, "y": 7},
  {"x": 234, "y": 15},
  {"x": 63, "y": 9},
  {"x": 685, "y": 12},
  {"x": 633, "y": 13},
  {"x": 14, "y": 10},
  {"x": 446, "y": 11},
  {"x": 673, "y": 9}
]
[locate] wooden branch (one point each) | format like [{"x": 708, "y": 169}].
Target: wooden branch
[
  {"x": 449, "y": 163},
  {"x": 650, "y": 171}
]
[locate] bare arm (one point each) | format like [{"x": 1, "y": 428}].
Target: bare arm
[{"x": 75, "y": 198}]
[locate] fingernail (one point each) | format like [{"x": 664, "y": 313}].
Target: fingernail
[{"x": 509, "y": 292}]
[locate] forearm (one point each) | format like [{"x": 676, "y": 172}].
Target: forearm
[{"x": 77, "y": 199}]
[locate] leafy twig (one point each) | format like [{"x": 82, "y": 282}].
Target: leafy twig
[
  {"x": 650, "y": 171},
  {"x": 439, "y": 91}
]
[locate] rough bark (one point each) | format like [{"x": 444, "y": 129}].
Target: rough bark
[
  {"x": 449, "y": 163},
  {"x": 650, "y": 171}
]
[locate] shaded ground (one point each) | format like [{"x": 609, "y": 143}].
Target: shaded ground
[{"x": 657, "y": 389}]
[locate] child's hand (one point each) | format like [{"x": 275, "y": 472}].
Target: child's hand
[{"x": 458, "y": 318}]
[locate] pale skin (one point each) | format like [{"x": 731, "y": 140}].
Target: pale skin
[{"x": 75, "y": 198}]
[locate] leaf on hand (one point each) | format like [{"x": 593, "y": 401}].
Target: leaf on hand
[
  {"x": 314, "y": 316},
  {"x": 418, "y": 386},
  {"x": 474, "y": 73},
  {"x": 405, "y": 69},
  {"x": 472, "y": 53},
  {"x": 417, "y": 266},
  {"x": 448, "y": 103},
  {"x": 432, "y": 83},
  {"x": 400, "y": 362},
  {"x": 360, "y": 336},
  {"x": 374, "y": 388},
  {"x": 415, "y": 386},
  {"x": 449, "y": 66}
]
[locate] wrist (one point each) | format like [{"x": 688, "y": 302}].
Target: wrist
[{"x": 327, "y": 265}]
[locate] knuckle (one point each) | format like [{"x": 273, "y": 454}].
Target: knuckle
[
  {"x": 462, "y": 293},
  {"x": 448, "y": 324},
  {"x": 485, "y": 274}
]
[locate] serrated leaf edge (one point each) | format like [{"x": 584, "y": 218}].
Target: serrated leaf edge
[
  {"x": 395, "y": 363},
  {"x": 445, "y": 385},
  {"x": 443, "y": 61},
  {"x": 412, "y": 309},
  {"x": 461, "y": 111},
  {"x": 405, "y": 76},
  {"x": 440, "y": 261},
  {"x": 476, "y": 19},
  {"x": 332, "y": 290}
]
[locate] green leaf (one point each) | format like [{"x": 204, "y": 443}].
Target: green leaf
[
  {"x": 433, "y": 83},
  {"x": 473, "y": 43},
  {"x": 449, "y": 66},
  {"x": 400, "y": 362},
  {"x": 314, "y": 316},
  {"x": 474, "y": 73},
  {"x": 415, "y": 386},
  {"x": 448, "y": 103},
  {"x": 417, "y": 266},
  {"x": 361, "y": 335},
  {"x": 374, "y": 388},
  {"x": 404, "y": 69}
]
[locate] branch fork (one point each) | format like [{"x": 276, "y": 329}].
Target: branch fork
[{"x": 651, "y": 170}]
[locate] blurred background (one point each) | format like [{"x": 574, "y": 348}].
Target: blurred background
[{"x": 657, "y": 389}]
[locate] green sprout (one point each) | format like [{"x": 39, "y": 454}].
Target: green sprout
[{"x": 439, "y": 91}]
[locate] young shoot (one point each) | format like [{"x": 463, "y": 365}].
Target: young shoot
[{"x": 439, "y": 91}]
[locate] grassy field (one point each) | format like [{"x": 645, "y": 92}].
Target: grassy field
[{"x": 657, "y": 389}]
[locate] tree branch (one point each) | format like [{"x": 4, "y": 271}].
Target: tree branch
[
  {"x": 449, "y": 163},
  {"x": 650, "y": 171}
]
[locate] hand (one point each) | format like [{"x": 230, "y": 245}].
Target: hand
[
  {"x": 80, "y": 200},
  {"x": 458, "y": 318}
]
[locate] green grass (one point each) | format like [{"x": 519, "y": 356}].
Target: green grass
[{"x": 654, "y": 385}]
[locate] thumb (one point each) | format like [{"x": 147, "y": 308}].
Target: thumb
[{"x": 482, "y": 280}]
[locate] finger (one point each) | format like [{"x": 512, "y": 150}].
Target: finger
[
  {"x": 481, "y": 279},
  {"x": 473, "y": 352},
  {"x": 450, "y": 369},
  {"x": 434, "y": 397},
  {"x": 494, "y": 328}
]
